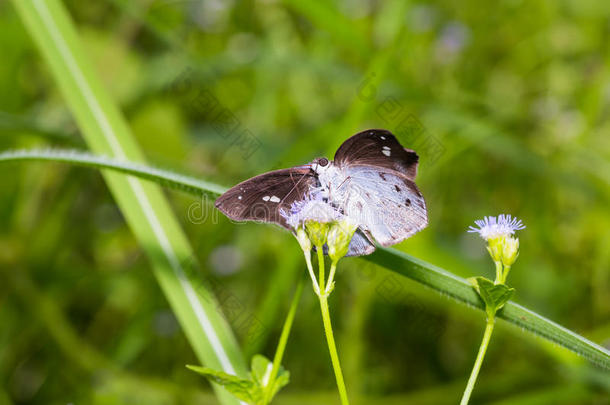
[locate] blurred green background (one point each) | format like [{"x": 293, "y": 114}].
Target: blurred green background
[{"x": 507, "y": 106}]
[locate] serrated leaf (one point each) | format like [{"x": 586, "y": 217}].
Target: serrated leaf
[
  {"x": 281, "y": 380},
  {"x": 261, "y": 369},
  {"x": 494, "y": 295},
  {"x": 261, "y": 372},
  {"x": 245, "y": 390}
]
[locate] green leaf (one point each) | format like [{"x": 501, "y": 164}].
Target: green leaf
[
  {"x": 261, "y": 369},
  {"x": 408, "y": 266},
  {"x": 252, "y": 390},
  {"x": 241, "y": 388},
  {"x": 282, "y": 379},
  {"x": 493, "y": 295}
]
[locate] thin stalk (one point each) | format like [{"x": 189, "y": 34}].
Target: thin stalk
[
  {"x": 505, "y": 273},
  {"x": 499, "y": 273},
  {"x": 328, "y": 329},
  {"x": 314, "y": 281},
  {"x": 477, "y": 364},
  {"x": 331, "y": 277},
  {"x": 332, "y": 348},
  {"x": 320, "y": 266},
  {"x": 281, "y": 346}
]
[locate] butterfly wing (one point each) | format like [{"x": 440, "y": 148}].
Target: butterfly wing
[
  {"x": 360, "y": 244},
  {"x": 386, "y": 204},
  {"x": 262, "y": 197},
  {"x": 376, "y": 189},
  {"x": 377, "y": 148}
]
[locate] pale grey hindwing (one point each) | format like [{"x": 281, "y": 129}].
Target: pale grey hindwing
[
  {"x": 360, "y": 245},
  {"x": 387, "y": 205}
]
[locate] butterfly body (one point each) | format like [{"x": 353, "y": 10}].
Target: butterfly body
[{"x": 370, "y": 181}]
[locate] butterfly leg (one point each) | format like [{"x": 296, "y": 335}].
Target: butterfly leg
[{"x": 342, "y": 193}]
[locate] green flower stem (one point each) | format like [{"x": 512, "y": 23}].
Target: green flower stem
[
  {"x": 332, "y": 348},
  {"x": 505, "y": 273},
  {"x": 314, "y": 281},
  {"x": 320, "y": 251},
  {"x": 328, "y": 329},
  {"x": 477, "y": 364},
  {"x": 331, "y": 277},
  {"x": 499, "y": 272},
  {"x": 281, "y": 346}
]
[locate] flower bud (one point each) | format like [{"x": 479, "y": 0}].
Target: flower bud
[
  {"x": 510, "y": 250},
  {"x": 303, "y": 239},
  {"x": 494, "y": 247},
  {"x": 339, "y": 238},
  {"x": 317, "y": 231}
]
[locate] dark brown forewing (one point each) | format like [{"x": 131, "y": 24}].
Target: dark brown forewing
[
  {"x": 261, "y": 198},
  {"x": 377, "y": 148}
]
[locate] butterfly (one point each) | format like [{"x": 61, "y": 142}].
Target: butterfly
[{"x": 371, "y": 181}]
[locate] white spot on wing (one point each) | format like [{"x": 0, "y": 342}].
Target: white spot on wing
[
  {"x": 386, "y": 147},
  {"x": 266, "y": 198},
  {"x": 386, "y": 152},
  {"x": 275, "y": 199},
  {"x": 383, "y": 138},
  {"x": 239, "y": 198}
]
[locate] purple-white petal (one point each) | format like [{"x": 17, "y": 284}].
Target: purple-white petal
[{"x": 494, "y": 227}]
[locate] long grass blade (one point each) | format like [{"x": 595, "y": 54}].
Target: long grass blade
[
  {"x": 401, "y": 263},
  {"x": 164, "y": 178},
  {"x": 460, "y": 290},
  {"x": 142, "y": 203}
]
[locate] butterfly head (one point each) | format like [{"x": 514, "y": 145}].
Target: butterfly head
[{"x": 320, "y": 165}]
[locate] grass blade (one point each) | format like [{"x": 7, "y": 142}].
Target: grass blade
[
  {"x": 142, "y": 203},
  {"x": 164, "y": 178},
  {"x": 460, "y": 289},
  {"x": 401, "y": 263}
]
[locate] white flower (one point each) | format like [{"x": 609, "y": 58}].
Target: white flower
[
  {"x": 312, "y": 208},
  {"x": 492, "y": 228}
]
